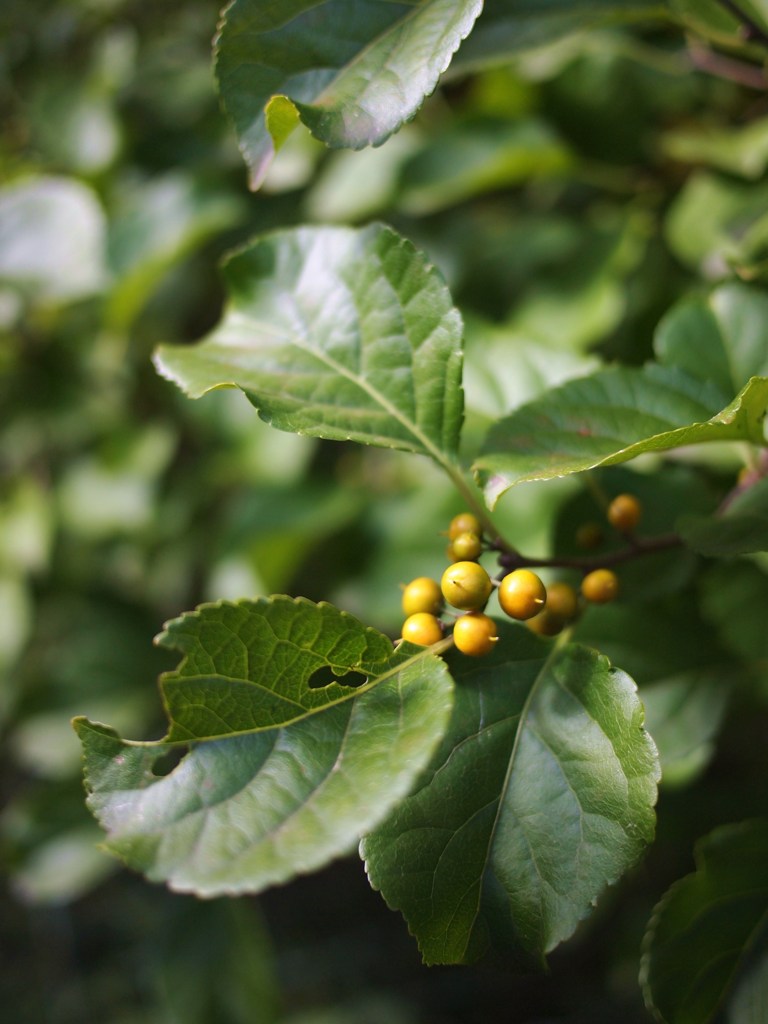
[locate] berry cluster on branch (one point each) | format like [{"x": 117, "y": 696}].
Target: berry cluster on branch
[{"x": 456, "y": 605}]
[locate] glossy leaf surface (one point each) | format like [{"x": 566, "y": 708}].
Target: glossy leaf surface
[
  {"x": 343, "y": 334},
  {"x": 540, "y": 795},
  {"x": 266, "y": 801},
  {"x": 708, "y": 350},
  {"x": 352, "y": 71},
  {"x": 710, "y": 931}
]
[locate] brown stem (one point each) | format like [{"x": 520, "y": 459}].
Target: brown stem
[
  {"x": 640, "y": 546},
  {"x": 752, "y": 31},
  {"x": 726, "y": 67}
]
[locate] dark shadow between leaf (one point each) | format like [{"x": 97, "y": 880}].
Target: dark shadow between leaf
[
  {"x": 166, "y": 763},
  {"x": 325, "y": 676}
]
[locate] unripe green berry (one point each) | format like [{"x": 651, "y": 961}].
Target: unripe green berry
[
  {"x": 600, "y": 586},
  {"x": 466, "y": 547},
  {"x": 522, "y": 594},
  {"x": 422, "y": 629},
  {"x": 475, "y": 634},
  {"x": 466, "y": 585},
  {"x": 624, "y": 512},
  {"x": 464, "y": 522},
  {"x": 422, "y": 595}
]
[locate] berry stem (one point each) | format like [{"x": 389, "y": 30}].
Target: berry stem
[
  {"x": 497, "y": 542},
  {"x": 639, "y": 547}
]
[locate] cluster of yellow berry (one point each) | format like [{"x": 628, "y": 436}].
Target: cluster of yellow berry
[{"x": 466, "y": 586}]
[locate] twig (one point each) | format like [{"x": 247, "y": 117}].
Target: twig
[
  {"x": 637, "y": 549},
  {"x": 752, "y": 31},
  {"x": 726, "y": 67}
]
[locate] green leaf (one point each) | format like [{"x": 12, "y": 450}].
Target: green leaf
[
  {"x": 512, "y": 26},
  {"x": 715, "y": 21},
  {"x": 684, "y": 714},
  {"x": 157, "y": 223},
  {"x": 685, "y": 677},
  {"x": 281, "y": 791},
  {"x": 352, "y": 71},
  {"x": 340, "y": 333},
  {"x": 248, "y": 666},
  {"x": 612, "y": 417},
  {"x": 742, "y": 151},
  {"x": 740, "y": 530},
  {"x": 734, "y": 599},
  {"x": 709, "y": 349},
  {"x": 540, "y": 794},
  {"x": 52, "y": 239},
  {"x": 709, "y": 224},
  {"x": 720, "y": 339},
  {"x": 478, "y": 157},
  {"x": 710, "y": 928}
]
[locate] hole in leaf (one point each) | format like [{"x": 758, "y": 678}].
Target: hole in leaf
[
  {"x": 325, "y": 675},
  {"x": 165, "y": 764}
]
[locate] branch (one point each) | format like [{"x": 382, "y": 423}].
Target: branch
[
  {"x": 752, "y": 32},
  {"x": 716, "y": 64},
  {"x": 637, "y": 549}
]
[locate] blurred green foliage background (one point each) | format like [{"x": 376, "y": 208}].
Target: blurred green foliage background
[{"x": 569, "y": 198}]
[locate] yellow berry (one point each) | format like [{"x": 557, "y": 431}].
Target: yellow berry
[
  {"x": 545, "y": 624},
  {"x": 522, "y": 594},
  {"x": 422, "y": 595},
  {"x": 624, "y": 512},
  {"x": 466, "y": 547},
  {"x": 600, "y": 586},
  {"x": 464, "y": 522},
  {"x": 466, "y": 585},
  {"x": 562, "y": 601},
  {"x": 422, "y": 629},
  {"x": 475, "y": 634}
]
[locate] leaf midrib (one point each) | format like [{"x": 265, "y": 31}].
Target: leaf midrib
[
  {"x": 524, "y": 711},
  {"x": 308, "y": 713},
  {"x": 361, "y": 382}
]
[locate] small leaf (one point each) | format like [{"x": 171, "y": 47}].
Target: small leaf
[
  {"x": 707, "y": 930},
  {"x": 540, "y": 795},
  {"x": 609, "y": 418},
  {"x": 353, "y": 72},
  {"x": 272, "y": 797},
  {"x": 339, "y": 333}
]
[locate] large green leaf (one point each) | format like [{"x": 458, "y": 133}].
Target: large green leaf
[
  {"x": 340, "y": 333},
  {"x": 299, "y": 769},
  {"x": 609, "y": 418},
  {"x": 709, "y": 350},
  {"x": 352, "y": 70},
  {"x": 709, "y": 934},
  {"x": 540, "y": 795}
]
